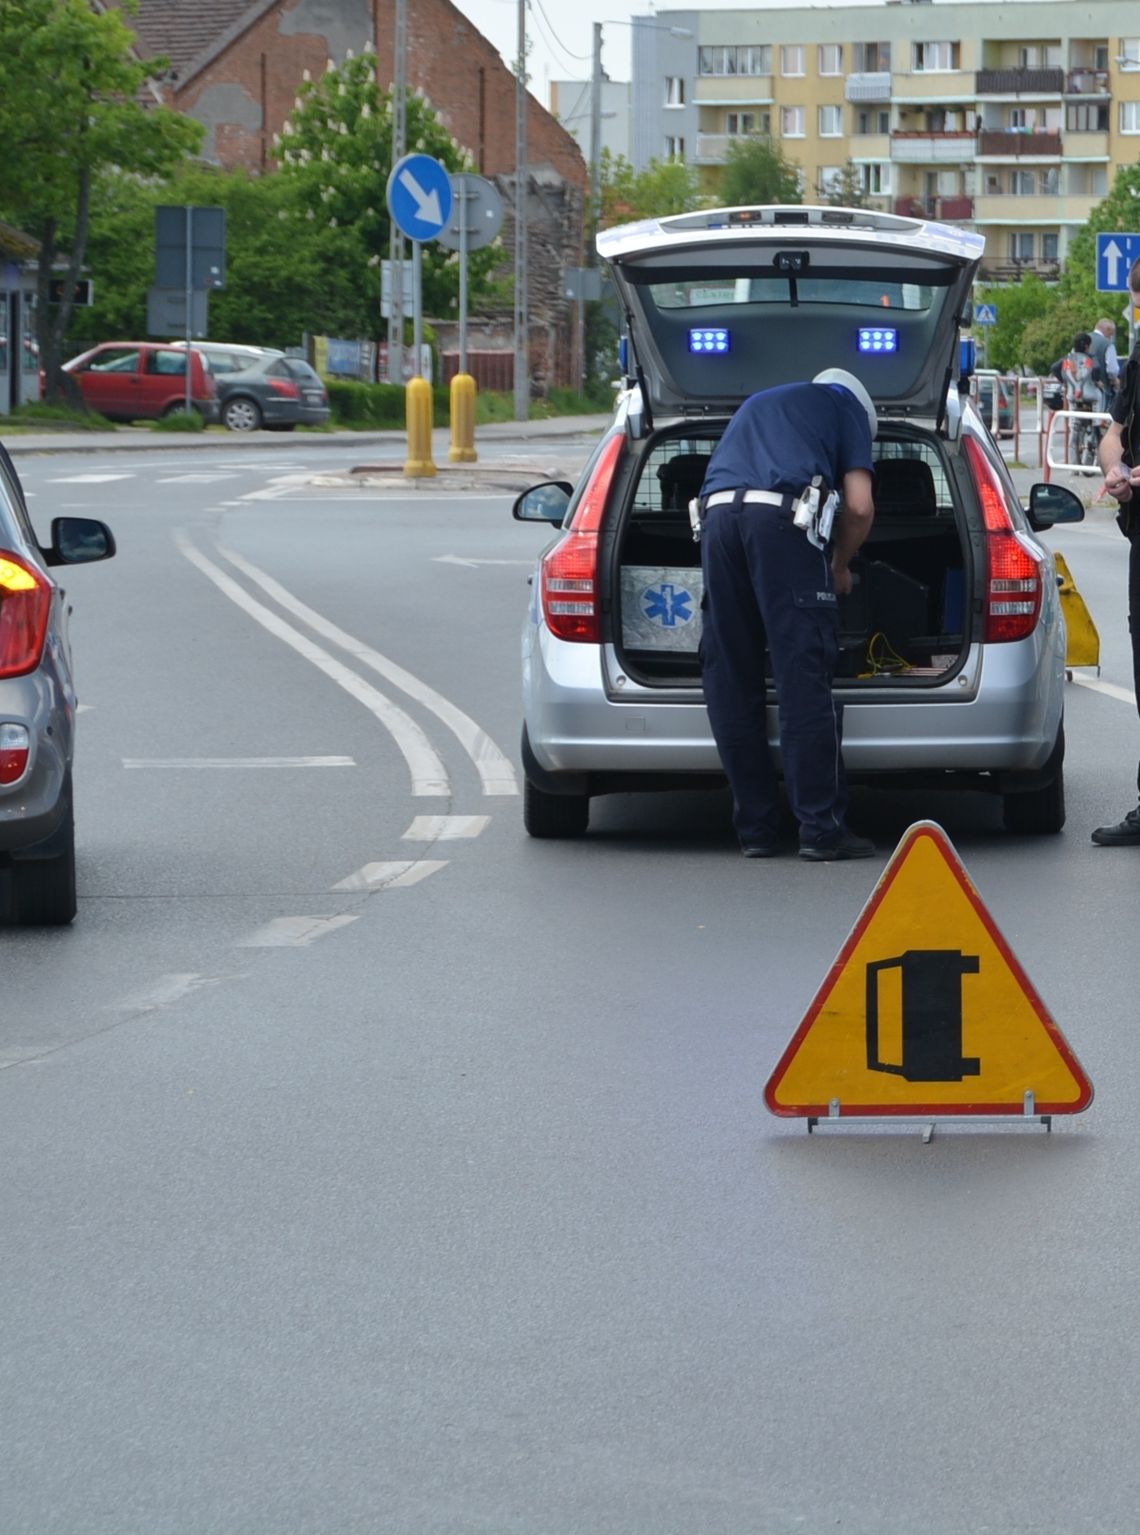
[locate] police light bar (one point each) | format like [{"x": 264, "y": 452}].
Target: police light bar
[
  {"x": 878, "y": 339},
  {"x": 703, "y": 338}
]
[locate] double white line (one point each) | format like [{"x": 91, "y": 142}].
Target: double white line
[{"x": 429, "y": 776}]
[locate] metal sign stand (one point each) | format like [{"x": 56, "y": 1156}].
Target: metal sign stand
[{"x": 835, "y": 1119}]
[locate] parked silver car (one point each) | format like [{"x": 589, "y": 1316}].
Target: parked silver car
[
  {"x": 953, "y": 643},
  {"x": 37, "y": 707}
]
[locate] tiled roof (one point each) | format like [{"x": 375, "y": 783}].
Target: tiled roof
[
  {"x": 15, "y": 244},
  {"x": 185, "y": 29}
]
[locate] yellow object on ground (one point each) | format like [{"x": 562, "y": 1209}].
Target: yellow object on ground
[
  {"x": 419, "y": 463},
  {"x": 1084, "y": 641},
  {"x": 462, "y": 450}
]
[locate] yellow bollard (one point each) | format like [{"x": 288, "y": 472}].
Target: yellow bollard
[
  {"x": 418, "y": 407},
  {"x": 1083, "y": 647},
  {"x": 462, "y": 450}
]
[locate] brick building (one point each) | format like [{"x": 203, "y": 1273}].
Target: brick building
[{"x": 237, "y": 65}]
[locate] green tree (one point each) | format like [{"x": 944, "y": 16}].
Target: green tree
[
  {"x": 1049, "y": 336},
  {"x": 71, "y": 105},
  {"x": 1017, "y": 304},
  {"x": 846, "y": 190},
  {"x": 757, "y": 171},
  {"x": 1119, "y": 212},
  {"x": 663, "y": 187}
]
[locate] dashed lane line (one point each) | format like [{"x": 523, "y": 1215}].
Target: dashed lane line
[
  {"x": 495, "y": 770},
  {"x": 237, "y": 762},
  {"x": 293, "y": 932},
  {"x": 394, "y": 875},
  {"x": 428, "y": 774},
  {"x": 444, "y": 828}
]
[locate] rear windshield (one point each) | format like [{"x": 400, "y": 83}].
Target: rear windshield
[{"x": 852, "y": 292}]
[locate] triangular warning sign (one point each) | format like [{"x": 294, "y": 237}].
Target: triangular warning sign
[{"x": 926, "y": 1010}]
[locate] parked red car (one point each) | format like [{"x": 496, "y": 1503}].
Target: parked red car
[{"x": 143, "y": 380}]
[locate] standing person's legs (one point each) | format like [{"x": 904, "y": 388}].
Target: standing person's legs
[
  {"x": 794, "y": 588},
  {"x": 1126, "y": 833},
  {"x": 732, "y": 669}
]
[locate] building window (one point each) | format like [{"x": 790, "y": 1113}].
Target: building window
[
  {"x": 1100, "y": 56},
  {"x": 830, "y": 180},
  {"x": 792, "y": 122},
  {"x": 1029, "y": 57},
  {"x": 754, "y": 61},
  {"x": 1021, "y": 245},
  {"x": 947, "y": 183},
  {"x": 717, "y": 61},
  {"x": 831, "y": 122},
  {"x": 831, "y": 58},
  {"x": 872, "y": 120},
  {"x": 1130, "y": 117},
  {"x": 1098, "y": 181},
  {"x": 792, "y": 59},
  {"x": 1022, "y": 184},
  {"x": 674, "y": 147},
  {"x": 1129, "y": 53},
  {"x": 1049, "y": 182},
  {"x": 674, "y": 91},
  {"x": 1049, "y": 247},
  {"x": 739, "y": 122},
  {"x": 876, "y": 178},
  {"x": 1019, "y": 119},
  {"x": 935, "y": 58},
  {"x": 872, "y": 58},
  {"x": 1087, "y": 117}
]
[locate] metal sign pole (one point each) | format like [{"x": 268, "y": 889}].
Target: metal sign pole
[
  {"x": 418, "y": 303},
  {"x": 189, "y": 295},
  {"x": 464, "y": 205}
]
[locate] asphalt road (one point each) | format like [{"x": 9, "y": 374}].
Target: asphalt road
[{"x": 369, "y": 1166}]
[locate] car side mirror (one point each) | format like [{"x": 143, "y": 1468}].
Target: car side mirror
[
  {"x": 544, "y": 503},
  {"x": 79, "y": 541},
  {"x": 1050, "y": 504}
]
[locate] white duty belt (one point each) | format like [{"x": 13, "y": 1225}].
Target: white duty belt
[{"x": 763, "y": 497}]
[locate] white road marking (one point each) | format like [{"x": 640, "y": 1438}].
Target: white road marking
[
  {"x": 292, "y": 932},
  {"x": 428, "y": 774},
  {"x": 237, "y": 762},
  {"x": 167, "y": 990},
  {"x": 391, "y": 876},
  {"x": 278, "y": 488},
  {"x": 201, "y": 477},
  {"x": 1109, "y": 689},
  {"x": 444, "y": 828},
  {"x": 84, "y": 708},
  {"x": 457, "y": 559},
  {"x": 493, "y": 767},
  {"x": 89, "y": 479}
]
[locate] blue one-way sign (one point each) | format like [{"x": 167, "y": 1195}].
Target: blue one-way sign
[
  {"x": 419, "y": 196},
  {"x": 1115, "y": 254}
]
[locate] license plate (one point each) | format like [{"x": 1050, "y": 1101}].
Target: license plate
[{"x": 313, "y": 398}]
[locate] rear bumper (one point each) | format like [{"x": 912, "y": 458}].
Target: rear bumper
[
  {"x": 1005, "y": 724},
  {"x": 32, "y": 809}
]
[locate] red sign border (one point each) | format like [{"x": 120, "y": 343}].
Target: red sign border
[{"x": 934, "y": 832}]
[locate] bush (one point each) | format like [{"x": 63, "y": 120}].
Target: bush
[
  {"x": 179, "y": 421},
  {"x": 62, "y": 417}
]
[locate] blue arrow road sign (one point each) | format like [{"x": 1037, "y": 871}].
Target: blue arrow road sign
[
  {"x": 1115, "y": 254},
  {"x": 985, "y": 314},
  {"x": 419, "y": 196}
]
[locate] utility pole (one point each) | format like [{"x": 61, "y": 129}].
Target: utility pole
[
  {"x": 396, "y": 239},
  {"x": 522, "y": 349},
  {"x": 595, "y": 137}
]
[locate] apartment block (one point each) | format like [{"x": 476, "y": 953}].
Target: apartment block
[{"x": 1009, "y": 118}]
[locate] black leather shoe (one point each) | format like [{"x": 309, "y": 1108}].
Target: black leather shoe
[
  {"x": 1125, "y": 833},
  {"x": 759, "y": 849},
  {"x": 848, "y": 846}
]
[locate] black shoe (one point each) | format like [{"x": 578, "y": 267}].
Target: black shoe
[
  {"x": 759, "y": 849},
  {"x": 1125, "y": 833},
  {"x": 848, "y": 846}
]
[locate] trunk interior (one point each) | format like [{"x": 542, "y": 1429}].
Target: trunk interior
[{"x": 905, "y": 624}]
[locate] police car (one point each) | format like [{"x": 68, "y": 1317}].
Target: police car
[{"x": 952, "y": 664}]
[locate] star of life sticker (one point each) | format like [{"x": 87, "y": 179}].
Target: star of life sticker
[{"x": 926, "y": 1011}]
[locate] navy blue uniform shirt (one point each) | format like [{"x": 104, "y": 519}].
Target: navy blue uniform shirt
[{"x": 781, "y": 438}]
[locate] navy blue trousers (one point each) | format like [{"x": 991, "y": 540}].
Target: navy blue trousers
[{"x": 766, "y": 584}]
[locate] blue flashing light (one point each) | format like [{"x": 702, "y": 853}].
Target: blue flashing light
[
  {"x": 878, "y": 340},
  {"x": 708, "y": 338},
  {"x": 967, "y": 357}
]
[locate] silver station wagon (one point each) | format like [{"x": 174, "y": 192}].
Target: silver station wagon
[{"x": 952, "y": 665}]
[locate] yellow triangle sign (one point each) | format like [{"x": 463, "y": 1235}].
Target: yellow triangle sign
[{"x": 926, "y": 1010}]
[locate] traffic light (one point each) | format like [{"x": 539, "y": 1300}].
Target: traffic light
[{"x": 84, "y": 290}]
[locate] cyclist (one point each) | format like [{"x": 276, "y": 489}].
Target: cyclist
[{"x": 1083, "y": 392}]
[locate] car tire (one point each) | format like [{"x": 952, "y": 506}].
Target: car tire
[
  {"x": 241, "y": 414},
  {"x": 554, "y": 815},
  {"x": 1041, "y": 811},
  {"x": 43, "y": 888}
]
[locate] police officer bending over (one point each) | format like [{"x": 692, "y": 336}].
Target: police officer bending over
[{"x": 771, "y": 574}]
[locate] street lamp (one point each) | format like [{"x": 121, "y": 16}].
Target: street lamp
[{"x": 596, "y": 101}]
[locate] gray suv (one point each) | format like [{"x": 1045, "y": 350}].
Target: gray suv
[{"x": 952, "y": 669}]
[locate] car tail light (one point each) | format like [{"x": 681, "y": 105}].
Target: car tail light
[
  {"x": 25, "y": 602},
  {"x": 1014, "y": 587},
  {"x": 571, "y": 599},
  {"x": 14, "y": 748},
  {"x": 286, "y": 387}
]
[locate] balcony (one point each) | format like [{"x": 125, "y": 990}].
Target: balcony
[
  {"x": 1012, "y": 270},
  {"x": 869, "y": 87},
  {"x": 946, "y": 210},
  {"x": 1021, "y": 145},
  {"x": 925, "y": 148},
  {"x": 1040, "y": 208},
  {"x": 712, "y": 148},
  {"x": 1087, "y": 82},
  {"x": 1019, "y": 82}
]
